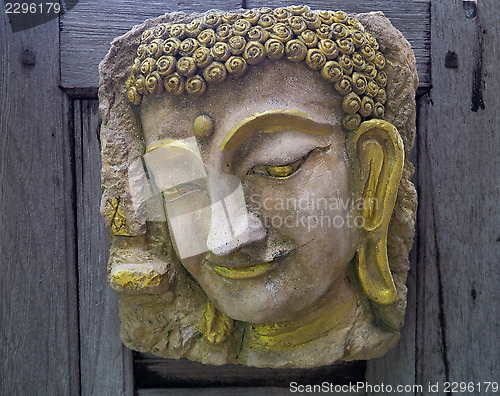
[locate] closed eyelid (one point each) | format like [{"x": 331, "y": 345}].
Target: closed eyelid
[{"x": 280, "y": 171}]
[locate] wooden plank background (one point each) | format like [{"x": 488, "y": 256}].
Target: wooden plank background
[
  {"x": 58, "y": 324},
  {"x": 458, "y": 314},
  {"x": 38, "y": 288},
  {"x": 214, "y": 392},
  {"x": 88, "y": 29},
  {"x": 153, "y": 372},
  {"x": 105, "y": 364}
]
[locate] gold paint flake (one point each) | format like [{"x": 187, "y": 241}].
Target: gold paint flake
[
  {"x": 214, "y": 325},
  {"x": 136, "y": 280},
  {"x": 118, "y": 222}
]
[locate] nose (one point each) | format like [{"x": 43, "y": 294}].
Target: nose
[{"x": 231, "y": 225}]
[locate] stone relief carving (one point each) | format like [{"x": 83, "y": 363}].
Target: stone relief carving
[{"x": 256, "y": 184}]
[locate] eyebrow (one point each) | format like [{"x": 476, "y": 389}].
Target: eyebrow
[{"x": 275, "y": 120}]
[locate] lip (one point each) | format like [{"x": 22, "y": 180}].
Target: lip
[
  {"x": 253, "y": 271},
  {"x": 249, "y": 272}
]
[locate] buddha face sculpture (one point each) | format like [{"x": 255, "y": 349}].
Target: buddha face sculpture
[{"x": 253, "y": 173}]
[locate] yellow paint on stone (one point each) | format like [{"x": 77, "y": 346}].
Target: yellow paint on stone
[
  {"x": 118, "y": 222},
  {"x": 136, "y": 280}
]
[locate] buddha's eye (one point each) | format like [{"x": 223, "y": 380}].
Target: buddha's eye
[{"x": 278, "y": 171}]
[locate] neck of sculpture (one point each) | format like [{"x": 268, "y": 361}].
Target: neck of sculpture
[{"x": 336, "y": 312}]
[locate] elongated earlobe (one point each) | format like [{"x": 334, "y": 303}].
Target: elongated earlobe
[{"x": 377, "y": 154}]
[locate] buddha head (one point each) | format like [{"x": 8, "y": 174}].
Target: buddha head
[{"x": 256, "y": 185}]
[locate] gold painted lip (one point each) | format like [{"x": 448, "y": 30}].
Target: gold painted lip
[
  {"x": 244, "y": 273},
  {"x": 249, "y": 272}
]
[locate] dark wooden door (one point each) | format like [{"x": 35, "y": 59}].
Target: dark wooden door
[{"x": 59, "y": 331}]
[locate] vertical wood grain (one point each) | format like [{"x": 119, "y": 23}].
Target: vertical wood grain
[
  {"x": 105, "y": 364},
  {"x": 430, "y": 360},
  {"x": 459, "y": 183},
  {"x": 38, "y": 297},
  {"x": 451, "y": 330}
]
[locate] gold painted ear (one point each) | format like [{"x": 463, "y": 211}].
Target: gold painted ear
[{"x": 377, "y": 154}]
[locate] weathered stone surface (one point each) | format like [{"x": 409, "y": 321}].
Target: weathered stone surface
[{"x": 304, "y": 301}]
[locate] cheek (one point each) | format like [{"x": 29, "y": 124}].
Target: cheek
[
  {"x": 316, "y": 201},
  {"x": 314, "y": 211}
]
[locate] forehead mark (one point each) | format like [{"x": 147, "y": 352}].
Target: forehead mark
[
  {"x": 275, "y": 120},
  {"x": 203, "y": 126}
]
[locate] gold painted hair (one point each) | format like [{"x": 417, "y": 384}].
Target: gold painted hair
[{"x": 188, "y": 58}]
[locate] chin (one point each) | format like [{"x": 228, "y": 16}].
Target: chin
[
  {"x": 257, "y": 316},
  {"x": 262, "y": 308}
]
